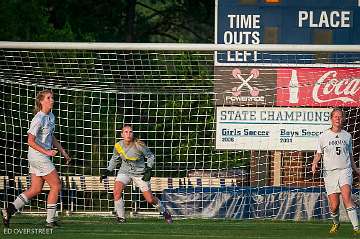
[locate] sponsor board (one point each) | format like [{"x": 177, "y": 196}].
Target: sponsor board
[
  {"x": 237, "y": 86},
  {"x": 318, "y": 87},
  {"x": 269, "y": 128}
]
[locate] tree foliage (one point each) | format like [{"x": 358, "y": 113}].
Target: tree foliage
[{"x": 107, "y": 21}]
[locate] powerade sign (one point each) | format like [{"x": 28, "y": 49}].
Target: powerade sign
[{"x": 286, "y": 22}]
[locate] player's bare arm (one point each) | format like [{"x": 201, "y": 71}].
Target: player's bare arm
[
  {"x": 57, "y": 145},
  {"x": 315, "y": 162},
  {"x": 353, "y": 165}
]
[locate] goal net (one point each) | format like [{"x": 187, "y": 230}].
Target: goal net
[{"x": 231, "y": 140}]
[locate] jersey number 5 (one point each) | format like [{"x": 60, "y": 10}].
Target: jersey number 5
[{"x": 338, "y": 150}]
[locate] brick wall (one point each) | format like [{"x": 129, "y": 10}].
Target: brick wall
[{"x": 295, "y": 169}]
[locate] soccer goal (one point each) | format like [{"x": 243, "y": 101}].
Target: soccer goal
[{"x": 232, "y": 140}]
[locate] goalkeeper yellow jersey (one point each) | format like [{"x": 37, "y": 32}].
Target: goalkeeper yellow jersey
[{"x": 133, "y": 158}]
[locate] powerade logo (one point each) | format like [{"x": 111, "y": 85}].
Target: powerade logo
[
  {"x": 239, "y": 86},
  {"x": 236, "y": 91},
  {"x": 244, "y": 87}
]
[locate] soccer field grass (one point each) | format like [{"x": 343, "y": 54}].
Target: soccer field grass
[{"x": 101, "y": 227}]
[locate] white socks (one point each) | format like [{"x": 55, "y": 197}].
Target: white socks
[
  {"x": 159, "y": 206},
  {"x": 20, "y": 201},
  {"x": 120, "y": 208},
  {"x": 335, "y": 217},
  {"x": 51, "y": 211},
  {"x": 352, "y": 214}
]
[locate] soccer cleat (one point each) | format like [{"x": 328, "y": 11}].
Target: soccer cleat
[
  {"x": 6, "y": 217},
  {"x": 334, "y": 228},
  {"x": 167, "y": 217},
  {"x": 356, "y": 232},
  {"x": 52, "y": 225},
  {"x": 120, "y": 220}
]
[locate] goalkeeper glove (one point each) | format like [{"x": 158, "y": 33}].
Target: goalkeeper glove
[
  {"x": 147, "y": 174},
  {"x": 105, "y": 175}
]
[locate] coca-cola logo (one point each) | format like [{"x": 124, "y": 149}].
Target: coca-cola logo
[{"x": 336, "y": 89}]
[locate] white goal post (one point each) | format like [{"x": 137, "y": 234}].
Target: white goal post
[
  {"x": 241, "y": 129},
  {"x": 177, "y": 46}
]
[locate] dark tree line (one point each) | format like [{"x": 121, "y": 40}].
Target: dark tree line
[{"x": 107, "y": 20}]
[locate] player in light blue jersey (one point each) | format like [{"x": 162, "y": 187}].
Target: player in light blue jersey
[
  {"x": 335, "y": 144},
  {"x": 136, "y": 163},
  {"x": 41, "y": 141}
]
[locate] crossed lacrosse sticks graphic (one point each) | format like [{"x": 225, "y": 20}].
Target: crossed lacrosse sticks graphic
[{"x": 254, "y": 73}]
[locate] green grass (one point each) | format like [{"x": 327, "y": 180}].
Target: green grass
[{"x": 101, "y": 227}]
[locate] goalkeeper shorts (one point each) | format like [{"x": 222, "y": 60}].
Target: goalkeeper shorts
[
  {"x": 335, "y": 179},
  {"x": 40, "y": 164},
  {"x": 126, "y": 179}
]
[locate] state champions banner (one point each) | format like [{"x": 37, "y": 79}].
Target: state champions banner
[{"x": 270, "y": 128}]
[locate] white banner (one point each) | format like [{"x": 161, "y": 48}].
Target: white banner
[{"x": 270, "y": 128}]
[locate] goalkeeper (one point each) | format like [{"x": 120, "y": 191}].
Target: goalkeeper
[{"x": 132, "y": 154}]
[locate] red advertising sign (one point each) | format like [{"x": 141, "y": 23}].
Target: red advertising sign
[{"x": 318, "y": 87}]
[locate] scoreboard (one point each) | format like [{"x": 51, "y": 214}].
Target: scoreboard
[{"x": 285, "y": 22}]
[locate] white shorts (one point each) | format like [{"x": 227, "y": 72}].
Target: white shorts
[
  {"x": 335, "y": 179},
  {"x": 40, "y": 164},
  {"x": 126, "y": 179}
]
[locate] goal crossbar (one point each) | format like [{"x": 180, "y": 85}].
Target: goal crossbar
[{"x": 177, "y": 46}]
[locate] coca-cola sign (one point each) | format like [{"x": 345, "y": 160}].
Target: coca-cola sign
[{"x": 318, "y": 87}]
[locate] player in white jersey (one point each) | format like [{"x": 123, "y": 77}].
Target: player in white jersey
[
  {"x": 335, "y": 144},
  {"x": 41, "y": 140},
  {"x": 132, "y": 154}
]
